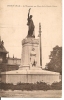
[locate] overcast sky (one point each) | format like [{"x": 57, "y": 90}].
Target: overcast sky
[{"x": 13, "y": 24}]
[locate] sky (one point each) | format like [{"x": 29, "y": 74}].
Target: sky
[{"x": 13, "y": 24}]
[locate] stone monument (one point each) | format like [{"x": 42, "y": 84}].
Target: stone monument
[
  {"x": 30, "y": 70},
  {"x": 30, "y": 47}
]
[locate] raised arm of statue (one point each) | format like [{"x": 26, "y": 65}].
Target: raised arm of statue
[{"x": 29, "y": 14}]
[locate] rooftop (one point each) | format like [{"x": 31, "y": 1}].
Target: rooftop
[
  {"x": 2, "y": 48},
  {"x": 13, "y": 58}
]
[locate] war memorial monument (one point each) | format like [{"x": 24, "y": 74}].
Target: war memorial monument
[{"x": 30, "y": 69}]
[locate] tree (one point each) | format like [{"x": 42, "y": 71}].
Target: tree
[{"x": 55, "y": 63}]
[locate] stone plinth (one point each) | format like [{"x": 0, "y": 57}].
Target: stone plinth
[
  {"x": 30, "y": 52},
  {"x": 30, "y": 76}
]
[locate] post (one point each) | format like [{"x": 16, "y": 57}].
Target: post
[{"x": 40, "y": 44}]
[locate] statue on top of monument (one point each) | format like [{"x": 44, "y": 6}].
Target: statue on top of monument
[{"x": 30, "y": 25}]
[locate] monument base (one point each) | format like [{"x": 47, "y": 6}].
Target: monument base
[
  {"x": 30, "y": 52},
  {"x": 30, "y": 76}
]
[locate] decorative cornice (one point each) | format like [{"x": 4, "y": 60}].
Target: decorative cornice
[{"x": 30, "y": 41}]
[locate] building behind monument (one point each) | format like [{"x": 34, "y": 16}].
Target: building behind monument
[{"x": 7, "y": 63}]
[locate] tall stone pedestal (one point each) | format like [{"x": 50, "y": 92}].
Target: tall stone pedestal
[
  {"x": 30, "y": 53},
  {"x": 30, "y": 70}
]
